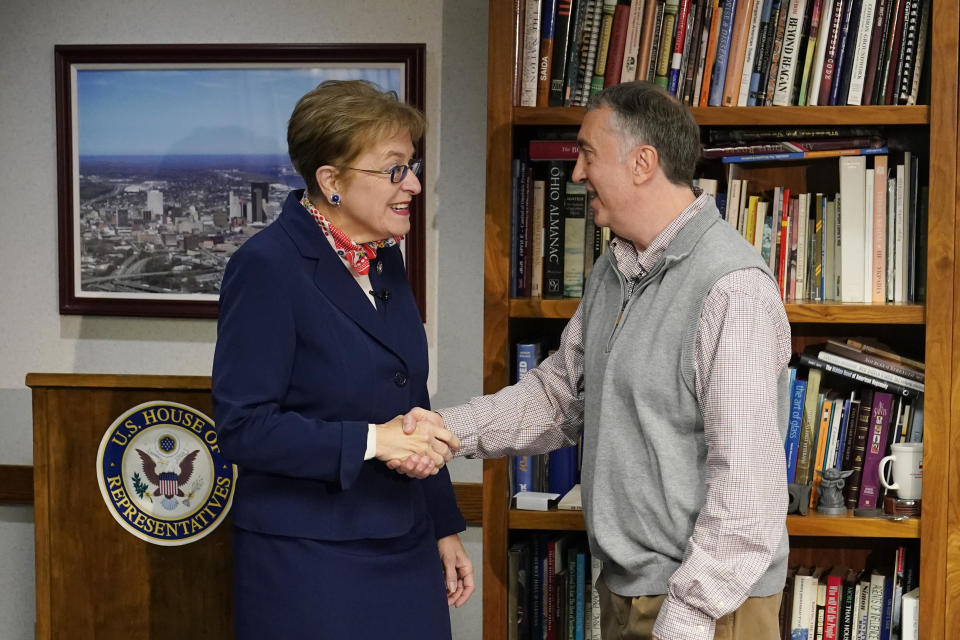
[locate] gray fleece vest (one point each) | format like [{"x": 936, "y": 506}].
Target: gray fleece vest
[{"x": 644, "y": 453}]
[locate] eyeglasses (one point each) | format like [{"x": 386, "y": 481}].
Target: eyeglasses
[{"x": 397, "y": 173}]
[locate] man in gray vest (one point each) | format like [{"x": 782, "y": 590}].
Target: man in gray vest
[{"x": 675, "y": 367}]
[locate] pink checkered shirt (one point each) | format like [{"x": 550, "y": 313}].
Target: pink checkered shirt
[{"x": 743, "y": 344}]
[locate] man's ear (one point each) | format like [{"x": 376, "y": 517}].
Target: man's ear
[
  {"x": 644, "y": 161},
  {"x": 328, "y": 178}
]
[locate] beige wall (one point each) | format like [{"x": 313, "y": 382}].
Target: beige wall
[{"x": 36, "y": 338}]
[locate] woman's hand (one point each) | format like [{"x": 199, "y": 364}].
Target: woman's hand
[
  {"x": 429, "y": 444},
  {"x": 457, "y": 570}
]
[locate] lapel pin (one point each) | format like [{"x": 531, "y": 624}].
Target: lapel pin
[{"x": 379, "y": 267}]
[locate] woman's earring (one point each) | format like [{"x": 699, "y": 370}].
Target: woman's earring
[{"x": 335, "y": 200}]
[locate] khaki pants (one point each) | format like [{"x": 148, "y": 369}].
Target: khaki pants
[{"x": 632, "y": 618}]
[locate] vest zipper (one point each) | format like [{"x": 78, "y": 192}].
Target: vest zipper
[{"x": 636, "y": 286}]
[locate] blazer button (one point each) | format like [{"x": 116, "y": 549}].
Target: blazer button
[{"x": 400, "y": 379}]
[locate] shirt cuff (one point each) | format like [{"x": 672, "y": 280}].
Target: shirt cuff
[
  {"x": 459, "y": 421},
  {"x": 677, "y": 621},
  {"x": 371, "y": 442}
]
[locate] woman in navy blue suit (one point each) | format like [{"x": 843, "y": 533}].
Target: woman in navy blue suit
[{"x": 320, "y": 349}]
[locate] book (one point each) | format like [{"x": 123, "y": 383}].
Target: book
[
  {"x": 576, "y": 52},
  {"x": 778, "y": 146},
  {"x": 518, "y": 591},
  {"x": 553, "y": 229},
  {"x": 808, "y": 428},
  {"x": 646, "y": 39},
  {"x": 628, "y": 70},
  {"x": 529, "y": 355},
  {"x": 779, "y": 29},
  {"x": 548, "y": 18},
  {"x": 531, "y": 53},
  {"x": 798, "y": 389},
  {"x": 800, "y": 155},
  {"x": 910, "y": 615},
  {"x": 861, "y": 52},
  {"x": 574, "y": 228},
  {"x": 880, "y": 15},
  {"x": 811, "y": 360},
  {"x": 671, "y": 9},
  {"x": 845, "y": 50},
  {"x": 823, "y": 34},
  {"x": 563, "y": 26},
  {"x": 719, "y": 75},
  {"x": 618, "y": 40},
  {"x": 852, "y": 221},
  {"x": 849, "y": 352},
  {"x": 572, "y": 500},
  {"x": 673, "y": 73},
  {"x": 783, "y": 94},
  {"x": 603, "y": 45},
  {"x": 876, "y": 446},
  {"x": 851, "y": 489},
  {"x": 711, "y": 53}
]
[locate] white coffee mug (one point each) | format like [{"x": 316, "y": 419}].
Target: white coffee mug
[{"x": 907, "y": 461}]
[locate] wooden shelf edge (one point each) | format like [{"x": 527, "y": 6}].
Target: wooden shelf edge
[
  {"x": 116, "y": 381},
  {"x": 747, "y": 116},
  {"x": 810, "y": 525},
  {"x": 810, "y": 312}
]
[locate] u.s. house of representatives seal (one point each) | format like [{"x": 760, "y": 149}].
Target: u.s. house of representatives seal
[{"x": 162, "y": 474}]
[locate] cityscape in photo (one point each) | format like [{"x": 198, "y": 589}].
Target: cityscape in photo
[{"x": 176, "y": 169}]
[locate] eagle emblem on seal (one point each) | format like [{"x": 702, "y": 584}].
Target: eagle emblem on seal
[{"x": 168, "y": 475}]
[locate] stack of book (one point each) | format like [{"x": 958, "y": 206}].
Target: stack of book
[
  {"x": 822, "y": 603},
  {"x": 550, "y": 588},
  {"x": 554, "y": 241},
  {"x": 870, "y": 398},
  {"x": 861, "y": 237},
  {"x": 724, "y": 52}
]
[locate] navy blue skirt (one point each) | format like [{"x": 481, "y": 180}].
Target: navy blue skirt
[{"x": 291, "y": 588}]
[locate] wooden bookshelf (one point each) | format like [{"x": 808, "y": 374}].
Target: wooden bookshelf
[
  {"x": 931, "y": 325},
  {"x": 812, "y": 524},
  {"x": 754, "y": 116},
  {"x": 830, "y": 313}
]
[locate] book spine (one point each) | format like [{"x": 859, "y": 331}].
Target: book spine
[
  {"x": 856, "y": 376},
  {"x": 841, "y": 81},
  {"x": 628, "y": 72},
  {"x": 553, "y": 238},
  {"x": 548, "y": 18},
  {"x": 742, "y": 19},
  {"x": 603, "y": 45},
  {"x": 593, "y": 42},
  {"x": 799, "y": 155},
  {"x": 875, "y": 448},
  {"x": 723, "y": 51},
  {"x": 823, "y": 35},
  {"x": 679, "y": 43},
  {"x": 531, "y": 54},
  {"x": 646, "y": 39},
  {"x": 561, "y": 42},
  {"x": 911, "y": 36},
  {"x": 575, "y": 53},
  {"x": 792, "y": 442},
  {"x": 875, "y": 372},
  {"x": 655, "y": 41},
  {"x": 921, "y": 53},
  {"x": 893, "y": 60},
  {"x": 711, "y": 57},
  {"x": 783, "y": 94},
  {"x": 777, "y": 52},
  {"x": 851, "y": 489},
  {"x": 752, "y": 51},
  {"x": 618, "y": 41},
  {"x": 554, "y": 149},
  {"x": 886, "y": 49},
  {"x": 694, "y": 58},
  {"x": 830, "y": 55},
  {"x": 668, "y": 30},
  {"x": 761, "y": 59},
  {"x": 808, "y": 58},
  {"x": 873, "y": 57},
  {"x": 574, "y": 212},
  {"x": 536, "y": 230},
  {"x": 861, "y": 52}
]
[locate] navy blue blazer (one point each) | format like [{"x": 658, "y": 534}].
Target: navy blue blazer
[{"x": 303, "y": 364}]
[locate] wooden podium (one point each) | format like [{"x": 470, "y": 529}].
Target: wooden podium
[{"x": 94, "y": 579}]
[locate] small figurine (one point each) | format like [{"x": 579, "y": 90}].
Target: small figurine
[
  {"x": 831, "y": 501},
  {"x": 799, "y": 495}
]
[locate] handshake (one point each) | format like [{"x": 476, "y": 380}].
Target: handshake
[{"x": 416, "y": 444}]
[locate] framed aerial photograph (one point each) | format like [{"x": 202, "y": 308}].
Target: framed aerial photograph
[{"x": 170, "y": 156}]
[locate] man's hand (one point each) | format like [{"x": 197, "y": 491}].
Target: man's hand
[
  {"x": 457, "y": 570},
  {"x": 430, "y": 446},
  {"x": 415, "y": 466}
]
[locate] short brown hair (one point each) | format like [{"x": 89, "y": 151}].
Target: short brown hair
[{"x": 334, "y": 123}]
